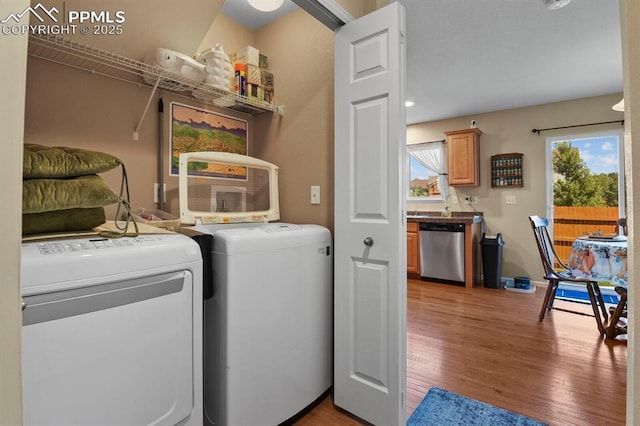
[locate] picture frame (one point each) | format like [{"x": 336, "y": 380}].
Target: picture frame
[{"x": 195, "y": 129}]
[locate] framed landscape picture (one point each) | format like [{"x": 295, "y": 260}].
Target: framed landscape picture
[{"x": 195, "y": 130}]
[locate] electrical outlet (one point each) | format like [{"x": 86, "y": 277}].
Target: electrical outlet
[
  {"x": 315, "y": 194},
  {"x": 470, "y": 199},
  {"x": 510, "y": 199}
]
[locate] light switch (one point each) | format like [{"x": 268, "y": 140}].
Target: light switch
[
  {"x": 315, "y": 194},
  {"x": 156, "y": 192},
  {"x": 510, "y": 199}
]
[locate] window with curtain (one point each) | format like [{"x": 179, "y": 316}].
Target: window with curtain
[{"x": 427, "y": 171}]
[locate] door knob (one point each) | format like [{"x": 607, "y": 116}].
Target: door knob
[{"x": 368, "y": 241}]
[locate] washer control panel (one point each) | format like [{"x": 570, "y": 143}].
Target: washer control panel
[{"x": 68, "y": 246}]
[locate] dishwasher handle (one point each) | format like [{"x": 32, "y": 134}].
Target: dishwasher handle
[{"x": 442, "y": 226}]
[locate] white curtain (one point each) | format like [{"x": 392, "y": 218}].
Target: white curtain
[{"x": 432, "y": 156}]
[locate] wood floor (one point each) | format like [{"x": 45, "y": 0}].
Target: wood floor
[{"x": 488, "y": 344}]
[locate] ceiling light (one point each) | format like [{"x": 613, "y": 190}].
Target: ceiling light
[
  {"x": 409, "y": 103},
  {"x": 266, "y": 5},
  {"x": 619, "y": 106},
  {"x": 556, "y": 4}
]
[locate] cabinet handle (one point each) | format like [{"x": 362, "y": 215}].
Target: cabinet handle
[{"x": 368, "y": 241}]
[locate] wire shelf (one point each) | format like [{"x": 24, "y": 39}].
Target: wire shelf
[{"x": 80, "y": 56}]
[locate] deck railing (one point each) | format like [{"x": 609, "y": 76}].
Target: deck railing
[{"x": 572, "y": 222}]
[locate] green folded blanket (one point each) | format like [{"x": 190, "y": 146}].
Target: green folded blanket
[
  {"x": 62, "y": 221},
  {"x": 46, "y": 162},
  {"x": 61, "y": 191},
  {"x": 44, "y": 195}
]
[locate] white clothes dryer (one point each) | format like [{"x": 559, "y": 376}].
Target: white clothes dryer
[{"x": 112, "y": 331}]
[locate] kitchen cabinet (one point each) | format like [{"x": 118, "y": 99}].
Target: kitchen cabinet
[
  {"x": 463, "y": 157},
  {"x": 413, "y": 248}
]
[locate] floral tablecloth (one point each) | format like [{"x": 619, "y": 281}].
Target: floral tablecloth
[{"x": 602, "y": 260}]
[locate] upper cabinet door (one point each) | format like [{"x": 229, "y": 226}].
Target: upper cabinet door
[{"x": 463, "y": 157}]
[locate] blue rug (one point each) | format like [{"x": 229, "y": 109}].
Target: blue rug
[{"x": 444, "y": 408}]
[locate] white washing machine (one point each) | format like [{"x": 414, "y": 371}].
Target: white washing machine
[
  {"x": 112, "y": 331},
  {"x": 268, "y": 291},
  {"x": 268, "y": 330}
]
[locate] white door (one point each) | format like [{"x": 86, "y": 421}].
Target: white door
[{"x": 370, "y": 231}]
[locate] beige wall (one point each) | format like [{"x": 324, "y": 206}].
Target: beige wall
[
  {"x": 301, "y": 141},
  {"x": 12, "y": 86},
  {"x": 148, "y": 24},
  {"x": 510, "y": 131},
  {"x": 630, "y": 11},
  {"x": 67, "y": 107},
  {"x": 229, "y": 33},
  {"x": 358, "y": 8}
]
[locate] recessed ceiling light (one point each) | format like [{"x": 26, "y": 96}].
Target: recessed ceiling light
[
  {"x": 409, "y": 103},
  {"x": 266, "y": 5}
]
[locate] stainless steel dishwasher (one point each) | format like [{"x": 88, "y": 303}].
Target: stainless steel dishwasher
[{"x": 442, "y": 252}]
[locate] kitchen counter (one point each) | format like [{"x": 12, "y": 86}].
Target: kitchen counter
[{"x": 456, "y": 217}]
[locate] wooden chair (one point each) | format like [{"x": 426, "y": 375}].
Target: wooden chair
[
  {"x": 622, "y": 222},
  {"x": 616, "y": 327},
  {"x": 555, "y": 274}
]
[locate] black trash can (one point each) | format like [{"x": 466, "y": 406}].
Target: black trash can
[{"x": 492, "y": 260}]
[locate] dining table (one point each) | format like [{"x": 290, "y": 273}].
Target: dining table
[{"x": 600, "y": 258}]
